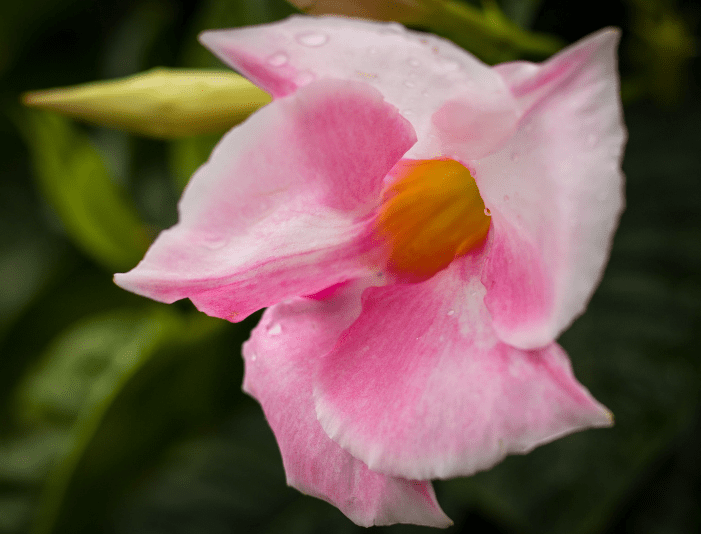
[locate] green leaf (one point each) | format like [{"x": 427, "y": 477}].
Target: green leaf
[
  {"x": 187, "y": 154},
  {"x": 73, "y": 178},
  {"x": 107, "y": 393},
  {"x": 215, "y": 14}
]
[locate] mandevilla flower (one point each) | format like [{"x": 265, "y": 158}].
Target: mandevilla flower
[{"x": 422, "y": 228}]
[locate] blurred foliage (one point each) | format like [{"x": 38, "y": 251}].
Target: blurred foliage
[
  {"x": 662, "y": 48},
  {"x": 122, "y": 415},
  {"x": 74, "y": 179}
]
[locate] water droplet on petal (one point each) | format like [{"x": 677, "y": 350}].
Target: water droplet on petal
[
  {"x": 390, "y": 30},
  {"x": 253, "y": 357},
  {"x": 304, "y": 78},
  {"x": 372, "y": 51},
  {"x": 451, "y": 312},
  {"x": 592, "y": 139},
  {"x": 451, "y": 64},
  {"x": 278, "y": 60},
  {"x": 408, "y": 83},
  {"x": 487, "y": 212},
  {"x": 407, "y": 112},
  {"x": 214, "y": 242},
  {"x": 312, "y": 38},
  {"x": 414, "y": 62},
  {"x": 274, "y": 330}
]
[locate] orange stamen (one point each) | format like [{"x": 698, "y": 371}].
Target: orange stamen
[{"x": 431, "y": 214}]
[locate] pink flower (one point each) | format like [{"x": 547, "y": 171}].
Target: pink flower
[{"x": 422, "y": 227}]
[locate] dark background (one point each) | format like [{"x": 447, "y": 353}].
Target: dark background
[{"x": 120, "y": 415}]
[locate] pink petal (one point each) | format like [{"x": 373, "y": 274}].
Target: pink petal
[
  {"x": 418, "y": 73},
  {"x": 555, "y": 191},
  {"x": 282, "y": 206},
  {"x": 420, "y": 386},
  {"x": 281, "y": 359}
]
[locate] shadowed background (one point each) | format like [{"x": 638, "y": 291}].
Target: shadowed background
[{"x": 120, "y": 415}]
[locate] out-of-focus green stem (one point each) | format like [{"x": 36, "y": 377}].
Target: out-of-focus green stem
[{"x": 487, "y": 32}]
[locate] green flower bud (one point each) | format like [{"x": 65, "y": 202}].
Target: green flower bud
[{"x": 162, "y": 102}]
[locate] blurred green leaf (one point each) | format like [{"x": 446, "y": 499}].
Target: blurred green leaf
[
  {"x": 108, "y": 393},
  {"x": 187, "y": 154},
  {"x": 522, "y": 12},
  {"x": 215, "y": 14},
  {"x": 662, "y": 49},
  {"x": 75, "y": 383},
  {"x": 73, "y": 178}
]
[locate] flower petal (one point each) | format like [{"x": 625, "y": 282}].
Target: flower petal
[
  {"x": 555, "y": 191},
  {"x": 282, "y": 206},
  {"x": 420, "y": 387},
  {"x": 418, "y": 73},
  {"x": 281, "y": 359}
]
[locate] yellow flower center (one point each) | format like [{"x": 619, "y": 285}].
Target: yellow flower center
[{"x": 430, "y": 215}]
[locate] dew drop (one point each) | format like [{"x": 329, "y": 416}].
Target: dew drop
[
  {"x": 372, "y": 51},
  {"x": 214, "y": 242},
  {"x": 451, "y": 312},
  {"x": 390, "y": 30},
  {"x": 451, "y": 64},
  {"x": 408, "y": 83},
  {"x": 253, "y": 357},
  {"x": 487, "y": 212},
  {"x": 592, "y": 139},
  {"x": 278, "y": 60},
  {"x": 312, "y": 38},
  {"x": 414, "y": 62},
  {"x": 304, "y": 78},
  {"x": 274, "y": 330}
]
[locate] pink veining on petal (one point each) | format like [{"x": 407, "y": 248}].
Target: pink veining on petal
[
  {"x": 420, "y": 386},
  {"x": 518, "y": 284},
  {"x": 472, "y": 127},
  {"x": 281, "y": 360},
  {"x": 555, "y": 191},
  {"x": 282, "y": 207}
]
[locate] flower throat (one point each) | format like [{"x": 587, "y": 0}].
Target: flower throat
[{"x": 430, "y": 215}]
